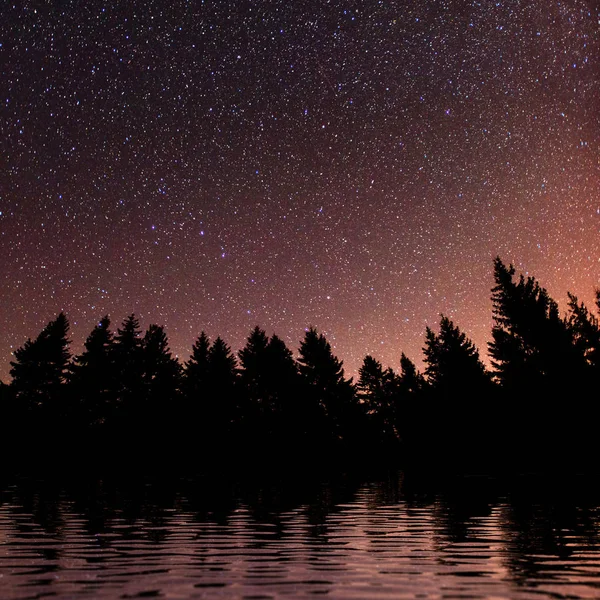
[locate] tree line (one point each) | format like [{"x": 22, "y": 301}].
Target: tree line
[{"x": 128, "y": 398}]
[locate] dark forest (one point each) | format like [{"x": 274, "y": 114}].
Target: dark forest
[{"x": 127, "y": 401}]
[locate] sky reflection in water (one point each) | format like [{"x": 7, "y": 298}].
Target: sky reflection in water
[{"x": 346, "y": 539}]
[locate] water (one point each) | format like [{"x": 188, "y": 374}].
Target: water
[{"x": 388, "y": 538}]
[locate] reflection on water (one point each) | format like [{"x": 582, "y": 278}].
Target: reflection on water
[{"x": 394, "y": 538}]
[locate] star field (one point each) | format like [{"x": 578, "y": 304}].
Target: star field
[{"x": 350, "y": 165}]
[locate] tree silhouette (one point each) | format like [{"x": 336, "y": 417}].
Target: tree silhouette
[
  {"x": 585, "y": 330},
  {"x": 272, "y": 410},
  {"x": 196, "y": 378},
  {"x": 535, "y": 355},
  {"x": 222, "y": 365},
  {"x": 411, "y": 381},
  {"x": 410, "y": 410},
  {"x": 461, "y": 390},
  {"x": 129, "y": 364},
  {"x": 11, "y": 419},
  {"x": 531, "y": 345},
  {"x": 370, "y": 386},
  {"x": 123, "y": 394},
  {"x": 453, "y": 363},
  {"x": 325, "y": 385},
  {"x": 254, "y": 378},
  {"x": 377, "y": 388},
  {"x": 282, "y": 386},
  {"x": 161, "y": 369},
  {"x": 39, "y": 371},
  {"x": 221, "y": 404},
  {"x": 93, "y": 377},
  {"x": 578, "y": 432},
  {"x": 161, "y": 381}
]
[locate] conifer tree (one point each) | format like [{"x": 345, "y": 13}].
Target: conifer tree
[
  {"x": 376, "y": 391},
  {"x": 27, "y": 380},
  {"x": 129, "y": 367},
  {"x": 40, "y": 369},
  {"x": 410, "y": 380},
  {"x": 222, "y": 365},
  {"x": 253, "y": 372},
  {"x": 318, "y": 365},
  {"x": 579, "y": 432},
  {"x": 585, "y": 330},
  {"x": 375, "y": 386},
  {"x": 410, "y": 405},
  {"x": 161, "y": 370},
  {"x": 531, "y": 345},
  {"x": 323, "y": 375},
  {"x": 10, "y": 420},
  {"x": 536, "y": 355},
  {"x": 282, "y": 380},
  {"x": 269, "y": 378},
  {"x": 221, "y": 404},
  {"x": 196, "y": 370},
  {"x": 161, "y": 379},
  {"x": 453, "y": 363},
  {"x": 460, "y": 394},
  {"x": 196, "y": 388},
  {"x": 93, "y": 376}
]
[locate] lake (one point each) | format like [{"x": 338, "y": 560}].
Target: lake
[{"x": 393, "y": 536}]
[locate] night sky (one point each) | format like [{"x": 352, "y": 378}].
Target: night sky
[{"x": 355, "y": 166}]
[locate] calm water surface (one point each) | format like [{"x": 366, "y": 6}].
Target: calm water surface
[{"x": 389, "y": 538}]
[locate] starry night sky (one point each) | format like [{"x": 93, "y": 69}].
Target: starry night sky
[{"x": 355, "y": 166}]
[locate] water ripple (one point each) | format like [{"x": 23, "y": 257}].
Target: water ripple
[{"x": 366, "y": 542}]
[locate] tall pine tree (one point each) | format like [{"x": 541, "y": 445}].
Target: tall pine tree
[
  {"x": 326, "y": 386},
  {"x": 461, "y": 394},
  {"x": 535, "y": 356},
  {"x": 254, "y": 378},
  {"x": 453, "y": 366},
  {"x": 376, "y": 390},
  {"x": 40, "y": 369},
  {"x": 532, "y": 348},
  {"x": 282, "y": 385},
  {"x": 161, "y": 383},
  {"x": 221, "y": 400},
  {"x": 196, "y": 378},
  {"x": 93, "y": 377},
  {"x": 129, "y": 365}
]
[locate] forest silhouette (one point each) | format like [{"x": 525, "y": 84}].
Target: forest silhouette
[{"x": 126, "y": 400}]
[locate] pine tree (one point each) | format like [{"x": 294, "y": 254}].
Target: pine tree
[
  {"x": 459, "y": 394},
  {"x": 281, "y": 378},
  {"x": 92, "y": 378},
  {"x": 161, "y": 379},
  {"x": 221, "y": 403},
  {"x": 535, "y": 355},
  {"x": 10, "y": 419},
  {"x": 411, "y": 407},
  {"x": 578, "y": 432},
  {"x": 532, "y": 346},
  {"x": 196, "y": 370},
  {"x": 453, "y": 363},
  {"x": 161, "y": 370},
  {"x": 376, "y": 391},
  {"x": 411, "y": 381},
  {"x": 375, "y": 386},
  {"x": 585, "y": 331},
  {"x": 323, "y": 375},
  {"x": 254, "y": 375},
  {"x": 222, "y": 365},
  {"x": 318, "y": 365},
  {"x": 129, "y": 367},
  {"x": 40, "y": 368}
]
